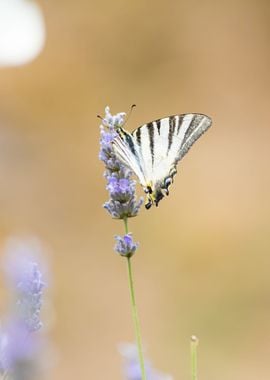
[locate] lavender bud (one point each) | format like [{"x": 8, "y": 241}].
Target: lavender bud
[
  {"x": 113, "y": 121},
  {"x": 125, "y": 245}
]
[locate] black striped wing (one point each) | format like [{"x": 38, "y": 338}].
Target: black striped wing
[
  {"x": 153, "y": 150},
  {"x": 164, "y": 142}
]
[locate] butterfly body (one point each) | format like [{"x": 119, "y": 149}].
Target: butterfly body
[{"x": 153, "y": 150}]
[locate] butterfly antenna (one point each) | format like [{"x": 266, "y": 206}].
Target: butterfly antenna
[{"x": 129, "y": 113}]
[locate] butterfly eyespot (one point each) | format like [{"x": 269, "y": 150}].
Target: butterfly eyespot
[
  {"x": 167, "y": 182},
  {"x": 164, "y": 191}
]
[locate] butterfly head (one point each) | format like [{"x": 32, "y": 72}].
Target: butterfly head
[{"x": 155, "y": 192}]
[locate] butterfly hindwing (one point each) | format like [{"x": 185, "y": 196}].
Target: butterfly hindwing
[{"x": 128, "y": 153}]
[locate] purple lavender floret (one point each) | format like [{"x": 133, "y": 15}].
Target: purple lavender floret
[
  {"x": 125, "y": 245},
  {"x": 122, "y": 203},
  {"x": 132, "y": 370},
  {"x": 120, "y": 189},
  {"x": 120, "y": 210},
  {"x": 106, "y": 155},
  {"x": 113, "y": 121}
]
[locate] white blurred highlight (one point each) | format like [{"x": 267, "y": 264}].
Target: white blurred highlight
[{"x": 22, "y": 32}]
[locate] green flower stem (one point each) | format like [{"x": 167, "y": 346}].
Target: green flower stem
[
  {"x": 135, "y": 312},
  {"x": 193, "y": 348}
]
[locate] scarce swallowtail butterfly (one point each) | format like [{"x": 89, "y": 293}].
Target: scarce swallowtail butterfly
[{"x": 153, "y": 150}]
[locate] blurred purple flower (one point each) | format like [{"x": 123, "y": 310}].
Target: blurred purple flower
[
  {"x": 132, "y": 370},
  {"x": 125, "y": 245},
  {"x": 3, "y": 352},
  {"x": 20, "y": 345},
  {"x": 25, "y": 281},
  {"x": 30, "y": 286},
  {"x": 122, "y": 203},
  {"x": 21, "y": 354}
]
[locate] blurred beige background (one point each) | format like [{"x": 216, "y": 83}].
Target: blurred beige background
[{"x": 203, "y": 263}]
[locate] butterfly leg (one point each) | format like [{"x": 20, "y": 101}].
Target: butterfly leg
[
  {"x": 148, "y": 205},
  {"x": 148, "y": 190}
]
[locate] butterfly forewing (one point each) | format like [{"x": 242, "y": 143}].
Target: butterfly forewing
[
  {"x": 163, "y": 142},
  {"x": 197, "y": 126}
]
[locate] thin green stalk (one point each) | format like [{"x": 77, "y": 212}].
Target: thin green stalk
[
  {"x": 126, "y": 225},
  {"x": 193, "y": 351},
  {"x": 135, "y": 312}
]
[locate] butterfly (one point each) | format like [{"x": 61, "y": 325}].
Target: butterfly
[{"x": 153, "y": 150}]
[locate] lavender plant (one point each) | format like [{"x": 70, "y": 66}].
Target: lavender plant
[
  {"x": 122, "y": 204},
  {"x": 20, "y": 345}
]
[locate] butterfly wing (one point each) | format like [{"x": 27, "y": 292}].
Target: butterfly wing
[
  {"x": 164, "y": 142},
  {"x": 194, "y": 125},
  {"x": 128, "y": 152}
]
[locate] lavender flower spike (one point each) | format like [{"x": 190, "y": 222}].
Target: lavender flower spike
[
  {"x": 125, "y": 245},
  {"x": 122, "y": 203}
]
